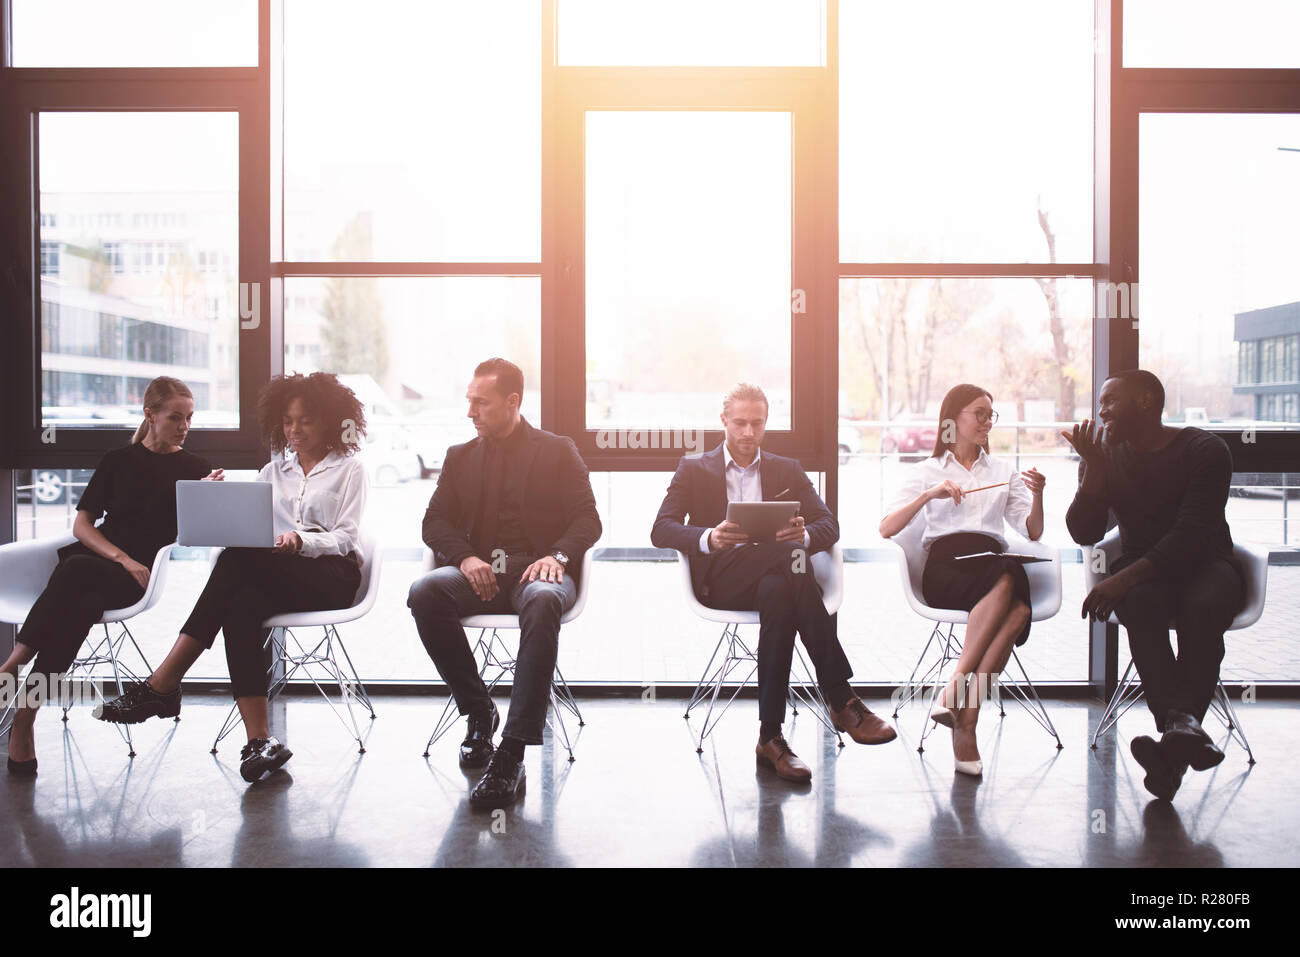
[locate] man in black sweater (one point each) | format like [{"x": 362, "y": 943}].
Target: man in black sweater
[
  {"x": 1167, "y": 488},
  {"x": 509, "y": 522}
]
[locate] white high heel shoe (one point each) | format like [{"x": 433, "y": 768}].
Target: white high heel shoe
[{"x": 973, "y": 768}]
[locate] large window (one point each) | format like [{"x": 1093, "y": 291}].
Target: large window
[
  {"x": 688, "y": 264},
  {"x": 140, "y": 211},
  {"x": 1220, "y": 295},
  {"x": 412, "y": 131},
  {"x": 134, "y": 33},
  {"x": 853, "y": 203}
]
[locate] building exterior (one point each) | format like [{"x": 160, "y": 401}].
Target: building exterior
[
  {"x": 1268, "y": 361},
  {"x": 136, "y": 285}
]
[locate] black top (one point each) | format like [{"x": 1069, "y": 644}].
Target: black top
[
  {"x": 500, "y": 522},
  {"x": 1169, "y": 503},
  {"x": 138, "y": 490},
  {"x": 557, "y": 510}
]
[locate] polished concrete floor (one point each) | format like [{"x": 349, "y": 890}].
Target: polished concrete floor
[{"x": 639, "y": 795}]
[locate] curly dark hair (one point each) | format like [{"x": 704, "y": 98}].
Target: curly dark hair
[{"x": 325, "y": 397}]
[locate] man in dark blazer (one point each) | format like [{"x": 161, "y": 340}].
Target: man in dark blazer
[
  {"x": 773, "y": 578},
  {"x": 509, "y": 522}
]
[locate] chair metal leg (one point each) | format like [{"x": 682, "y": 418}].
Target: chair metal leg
[
  {"x": 491, "y": 651},
  {"x": 911, "y": 689},
  {"x": 1222, "y": 705},
  {"x": 1129, "y": 693},
  {"x": 320, "y": 656},
  {"x": 811, "y": 693},
  {"x": 706, "y": 679},
  {"x": 1030, "y": 700},
  {"x": 732, "y": 659},
  {"x": 1126, "y": 694}
]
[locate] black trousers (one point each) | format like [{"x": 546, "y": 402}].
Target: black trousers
[
  {"x": 1201, "y": 606},
  {"x": 439, "y": 599},
  {"x": 80, "y": 590},
  {"x": 764, "y": 578},
  {"x": 249, "y": 585}
]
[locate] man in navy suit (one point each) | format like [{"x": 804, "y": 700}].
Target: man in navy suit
[{"x": 773, "y": 578}]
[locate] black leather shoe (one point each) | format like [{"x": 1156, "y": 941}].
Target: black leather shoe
[
  {"x": 137, "y": 703},
  {"x": 1164, "y": 775},
  {"x": 260, "y": 757},
  {"x": 502, "y": 783},
  {"x": 476, "y": 750},
  {"x": 22, "y": 769},
  {"x": 1186, "y": 740}
]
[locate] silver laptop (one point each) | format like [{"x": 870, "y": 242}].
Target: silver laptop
[{"x": 227, "y": 514}]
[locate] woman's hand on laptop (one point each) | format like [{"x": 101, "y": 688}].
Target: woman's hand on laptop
[
  {"x": 216, "y": 475},
  {"x": 289, "y": 542}
]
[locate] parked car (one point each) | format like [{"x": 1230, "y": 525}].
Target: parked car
[
  {"x": 913, "y": 434},
  {"x": 389, "y": 456},
  {"x": 52, "y": 486}
]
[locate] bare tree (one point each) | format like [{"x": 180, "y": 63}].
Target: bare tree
[{"x": 1063, "y": 359}]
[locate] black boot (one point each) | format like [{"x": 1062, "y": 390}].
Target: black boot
[
  {"x": 476, "y": 749},
  {"x": 260, "y": 757},
  {"x": 502, "y": 783},
  {"x": 138, "y": 702},
  {"x": 1164, "y": 773},
  {"x": 1186, "y": 740}
]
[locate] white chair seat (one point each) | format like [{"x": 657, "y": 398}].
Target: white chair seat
[
  {"x": 490, "y": 652},
  {"x": 25, "y": 569},
  {"x": 828, "y": 570},
  {"x": 321, "y": 656},
  {"x": 1252, "y": 560},
  {"x": 1044, "y": 598},
  {"x": 1044, "y": 577}
]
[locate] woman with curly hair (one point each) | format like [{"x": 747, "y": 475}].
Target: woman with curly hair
[{"x": 312, "y": 425}]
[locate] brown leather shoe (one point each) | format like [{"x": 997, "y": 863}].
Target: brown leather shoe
[
  {"x": 776, "y": 754},
  {"x": 862, "y": 726}
]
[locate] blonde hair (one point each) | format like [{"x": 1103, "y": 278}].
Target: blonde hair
[
  {"x": 743, "y": 392},
  {"x": 155, "y": 394}
]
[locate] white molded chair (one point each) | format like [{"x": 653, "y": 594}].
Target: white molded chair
[
  {"x": 731, "y": 652},
  {"x": 1045, "y": 601},
  {"x": 322, "y": 656},
  {"x": 491, "y": 652},
  {"x": 25, "y": 569},
  {"x": 1253, "y": 563}
]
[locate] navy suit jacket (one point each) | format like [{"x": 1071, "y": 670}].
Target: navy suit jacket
[{"x": 697, "y": 500}]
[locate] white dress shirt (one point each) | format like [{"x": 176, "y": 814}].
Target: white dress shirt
[
  {"x": 983, "y": 512},
  {"x": 324, "y": 507},
  {"x": 744, "y": 484}
]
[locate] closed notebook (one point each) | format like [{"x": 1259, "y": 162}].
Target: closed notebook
[{"x": 1014, "y": 556}]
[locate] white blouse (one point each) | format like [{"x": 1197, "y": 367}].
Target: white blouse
[
  {"x": 325, "y": 507},
  {"x": 982, "y": 512}
]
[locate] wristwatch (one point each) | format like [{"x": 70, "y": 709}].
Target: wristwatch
[{"x": 560, "y": 557}]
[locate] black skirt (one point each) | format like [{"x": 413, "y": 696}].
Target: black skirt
[{"x": 948, "y": 583}]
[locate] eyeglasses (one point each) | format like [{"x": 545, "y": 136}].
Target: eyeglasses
[{"x": 981, "y": 416}]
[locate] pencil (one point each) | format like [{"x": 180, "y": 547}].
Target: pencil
[{"x": 983, "y": 487}]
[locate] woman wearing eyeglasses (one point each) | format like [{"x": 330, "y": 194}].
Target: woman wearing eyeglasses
[{"x": 966, "y": 497}]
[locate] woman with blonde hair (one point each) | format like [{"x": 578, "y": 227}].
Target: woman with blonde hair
[
  {"x": 967, "y": 496},
  {"x": 109, "y": 564}
]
